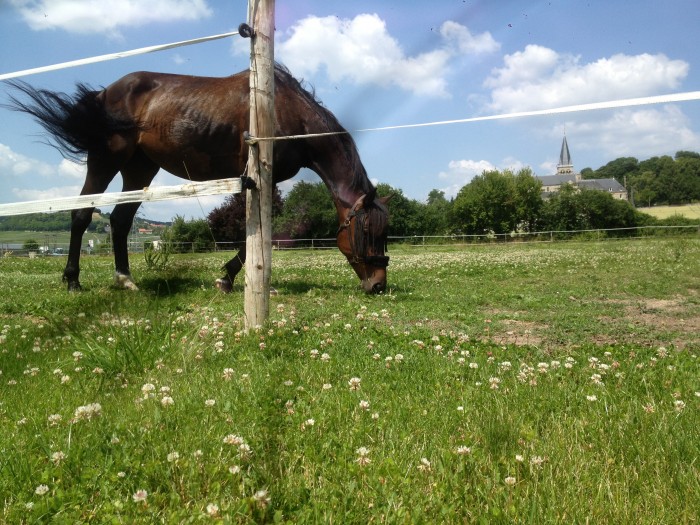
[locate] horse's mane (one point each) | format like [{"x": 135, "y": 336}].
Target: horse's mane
[{"x": 360, "y": 181}]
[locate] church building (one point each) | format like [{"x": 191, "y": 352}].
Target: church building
[{"x": 567, "y": 175}]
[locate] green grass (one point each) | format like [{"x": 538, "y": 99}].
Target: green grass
[
  {"x": 689, "y": 211},
  {"x": 549, "y": 383}
]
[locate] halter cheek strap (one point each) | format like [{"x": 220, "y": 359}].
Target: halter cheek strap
[{"x": 381, "y": 261}]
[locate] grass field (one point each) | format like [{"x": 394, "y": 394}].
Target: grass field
[
  {"x": 519, "y": 383},
  {"x": 690, "y": 211}
]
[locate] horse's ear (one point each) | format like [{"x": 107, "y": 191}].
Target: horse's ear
[{"x": 385, "y": 200}]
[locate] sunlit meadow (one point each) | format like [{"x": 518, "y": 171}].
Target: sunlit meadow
[{"x": 543, "y": 383}]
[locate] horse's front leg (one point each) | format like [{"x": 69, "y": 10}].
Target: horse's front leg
[
  {"x": 121, "y": 221},
  {"x": 232, "y": 268},
  {"x": 80, "y": 220}
]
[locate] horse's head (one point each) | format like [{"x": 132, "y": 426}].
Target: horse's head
[{"x": 362, "y": 239}]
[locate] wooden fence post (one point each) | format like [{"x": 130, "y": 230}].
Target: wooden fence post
[{"x": 261, "y": 16}]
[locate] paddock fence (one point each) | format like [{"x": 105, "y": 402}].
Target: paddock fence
[{"x": 140, "y": 245}]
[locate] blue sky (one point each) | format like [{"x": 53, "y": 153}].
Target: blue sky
[{"x": 387, "y": 63}]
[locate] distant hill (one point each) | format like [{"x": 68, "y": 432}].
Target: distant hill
[{"x": 60, "y": 221}]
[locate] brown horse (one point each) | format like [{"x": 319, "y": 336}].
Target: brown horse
[{"x": 194, "y": 128}]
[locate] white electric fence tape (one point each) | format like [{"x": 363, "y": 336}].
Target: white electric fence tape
[
  {"x": 112, "y": 56},
  {"x": 158, "y": 193}
]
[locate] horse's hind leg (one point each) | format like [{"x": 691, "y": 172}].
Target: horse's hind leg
[
  {"x": 225, "y": 284},
  {"x": 98, "y": 178},
  {"x": 137, "y": 174}
]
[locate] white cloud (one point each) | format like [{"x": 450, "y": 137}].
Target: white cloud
[
  {"x": 466, "y": 42},
  {"x": 28, "y": 194},
  {"x": 362, "y": 51},
  {"x": 17, "y": 165},
  {"x": 649, "y": 132},
  {"x": 539, "y": 78},
  {"x": 99, "y": 16},
  {"x": 72, "y": 170}
]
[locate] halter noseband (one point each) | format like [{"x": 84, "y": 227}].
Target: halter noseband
[{"x": 381, "y": 261}]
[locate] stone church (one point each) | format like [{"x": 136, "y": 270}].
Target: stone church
[{"x": 567, "y": 175}]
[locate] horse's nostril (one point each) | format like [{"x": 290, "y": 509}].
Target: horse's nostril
[{"x": 378, "y": 288}]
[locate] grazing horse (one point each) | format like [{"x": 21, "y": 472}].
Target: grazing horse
[{"x": 194, "y": 128}]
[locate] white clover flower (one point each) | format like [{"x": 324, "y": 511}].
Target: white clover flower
[
  {"x": 87, "y": 412},
  {"x": 424, "y": 465},
  {"x": 510, "y": 481},
  {"x": 167, "y": 401},
  {"x": 57, "y": 457},
  {"x": 210, "y": 403},
  {"x": 140, "y": 496},
  {"x": 463, "y": 450},
  {"x": 234, "y": 440},
  {"x": 592, "y": 397},
  {"x": 41, "y": 490},
  {"x": 597, "y": 379},
  {"x": 213, "y": 509},
  {"x": 364, "y": 405},
  {"x": 173, "y": 457},
  {"x": 261, "y": 498},
  {"x": 363, "y": 456},
  {"x": 354, "y": 383},
  {"x": 536, "y": 461}
]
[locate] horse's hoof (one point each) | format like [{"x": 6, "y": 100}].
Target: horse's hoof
[
  {"x": 124, "y": 281},
  {"x": 74, "y": 286},
  {"x": 224, "y": 285},
  {"x": 273, "y": 291}
]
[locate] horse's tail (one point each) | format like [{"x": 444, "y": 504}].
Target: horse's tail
[{"x": 78, "y": 124}]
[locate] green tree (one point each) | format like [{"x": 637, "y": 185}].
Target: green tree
[
  {"x": 308, "y": 213},
  {"x": 30, "y": 245},
  {"x": 498, "y": 202},
  {"x": 572, "y": 209},
  {"x": 529, "y": 202},
  {"x": 405, "y": 215},
  {"x": 618, "y": 169},
  {"x": 186, "y": 236},
  {"x": 436, "y": 212}
]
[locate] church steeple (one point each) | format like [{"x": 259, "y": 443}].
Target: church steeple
[{"x": 565, "y": 166}]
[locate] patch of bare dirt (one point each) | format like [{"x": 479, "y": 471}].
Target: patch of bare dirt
[{"x": 657, "y": 317}]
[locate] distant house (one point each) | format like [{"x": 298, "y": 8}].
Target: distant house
[
  {"x": 145, "y": 231},
  {"x": 567, "y": 175}
]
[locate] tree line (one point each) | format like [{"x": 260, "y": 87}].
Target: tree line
[
  {"x": 658, "y": 180},
  {"x": 495, "y": 202}
]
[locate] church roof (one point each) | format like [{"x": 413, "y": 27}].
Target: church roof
[
  {"x": 556, "y": 180},
  {"x": 602, "y": 184}
]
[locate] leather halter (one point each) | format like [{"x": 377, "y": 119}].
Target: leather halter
[{"x": 381, "y": 261}]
